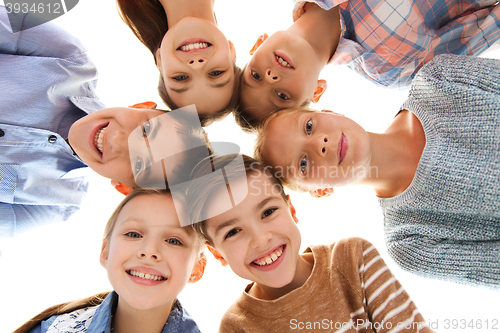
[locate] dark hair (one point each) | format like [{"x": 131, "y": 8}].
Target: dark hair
[
  {"x": 62, "y": 309},
  {"x": 199, "y": 193},
  {"x": 146, "y": 19}
]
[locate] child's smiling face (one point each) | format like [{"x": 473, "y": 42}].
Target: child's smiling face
[
  {"x": 197, "y": 64},
  {"x": 282, "y": 73},
  {"x": 149, "y": 256},
  {"x": 101, "y": 140},
  {"x": 317, "y": 149},
  {"x": 258, "y": 238}
]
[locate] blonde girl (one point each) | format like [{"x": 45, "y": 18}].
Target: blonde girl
[{"x": 149, "y": 258}]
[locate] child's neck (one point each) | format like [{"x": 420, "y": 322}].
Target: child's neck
[
  {"x": 303, "y": 270},
  {"x": 321, "y": 28},
  {"x": 130, "y": 320},
  {"x": 177, "y": 10},
  {"x": 396, "y": 154}
]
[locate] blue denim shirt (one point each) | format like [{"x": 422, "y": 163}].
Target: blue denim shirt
[
  {"x": 98, "y": 320},
  {"x": 47, "y": 82}
]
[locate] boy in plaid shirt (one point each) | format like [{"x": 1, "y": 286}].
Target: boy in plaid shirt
[{"x": 385, "y": 41}]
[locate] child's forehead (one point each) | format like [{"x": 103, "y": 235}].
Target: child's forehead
[
  {"x": 258, "y": 186},
  {"x": 153, "y": 209}
]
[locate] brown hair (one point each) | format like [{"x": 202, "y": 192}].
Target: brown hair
[
  {"x": 199, "y": 194},
  {"x": 146, "y": 19},
  {"x": 258, "y": 152},
  {"x": 206, "y": 120}
]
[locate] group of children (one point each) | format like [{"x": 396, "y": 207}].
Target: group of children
[{"x": 435, "y": 169}]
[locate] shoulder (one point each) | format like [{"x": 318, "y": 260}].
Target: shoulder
[
  {"x": 180, "y": 320},
  {"x": 346, "y": 249}
]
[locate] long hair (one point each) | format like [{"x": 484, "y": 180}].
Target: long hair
[
  {"x": 62, "y": 309},
  {"x": 146, "y": 19}
]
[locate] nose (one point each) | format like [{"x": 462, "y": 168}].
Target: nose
[
  {"x": 260, "y": 238},
  {"x": 319, "y": 144},
  {"x": 196, "y": 62},
  {"x": 149, "y": 251},
  {"x": 272, "y": 76},
  {"x": 117, "y": 141}
]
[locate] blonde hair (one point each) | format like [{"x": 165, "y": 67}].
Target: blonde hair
[{"x": 258, "y": 152}]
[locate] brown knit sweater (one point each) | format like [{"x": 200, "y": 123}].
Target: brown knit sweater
[{"x": 350, "y": 289}]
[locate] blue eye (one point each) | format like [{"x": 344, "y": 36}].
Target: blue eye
[
  {"x": 282, "y": 96},
  {"x": 268, "y": 212},
  {"x": 146, "y": 128},
  {"x": 309, "y": 125},
  {"x": 303, "y": 165},
  {"x": 133, "y": 234},
  {"x": 180, "y": 77},
  {"x": 231, "y": 233},
  {"x": 255, "y": 75},
  {"x": 138, "y": 166},
  {"x": 173, "y": 241},
  {"x": 215, "y": 73}
]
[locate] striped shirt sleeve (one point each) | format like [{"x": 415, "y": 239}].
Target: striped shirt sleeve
[{"x": 389, "y": 307}]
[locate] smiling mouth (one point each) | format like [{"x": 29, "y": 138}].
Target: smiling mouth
[
  {"x": 342, "y": 147},
  {"x": 270, "y": 258},
  {"x": 194, "y": 46},
  {"x": 98, "y": 138},
  {"x": 146, "y": 276},
  {"x": 282, "y": 61}
]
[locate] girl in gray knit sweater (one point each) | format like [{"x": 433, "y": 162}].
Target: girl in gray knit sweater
[{"x": 436, "y": 169}]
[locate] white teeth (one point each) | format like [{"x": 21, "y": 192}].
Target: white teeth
[
  {"x": 146, "y": 276},
  {"x": 98, "y": 138},
  {"x": 192, "y": 46},
  {"x": 282, "y": 61},
  {"x": 269, "y": 259}
]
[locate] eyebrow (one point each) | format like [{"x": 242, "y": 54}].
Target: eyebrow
[
  {"x": 296, "y": 125},
  {"x": 225, "y": 224},
  {"x": 220, "y": 85},
  {"x": 233, "y": 221},
  {"x": 180, "y": 90}
]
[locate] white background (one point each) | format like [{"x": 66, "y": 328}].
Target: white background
[{"x": 60, "y": 262}]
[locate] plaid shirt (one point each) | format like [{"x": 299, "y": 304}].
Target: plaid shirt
[{"x": 388, "y": 41}]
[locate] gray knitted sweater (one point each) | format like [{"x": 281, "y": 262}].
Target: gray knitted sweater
[{"x": 446, "y": 225}]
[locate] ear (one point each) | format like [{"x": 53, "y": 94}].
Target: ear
[
  {"x": 330, "y": 111},
  {"x": 320, "y": 89},
  {"x": 321, "y": 192},
  {"x": 258, "y": 43},
  {"x": 144, "y": 105},
  {"x": 158, "y": 58},
  {"x": 216, "y": 254},
  {"x": 232, "y": 49},
  {"x": 122, "y": 188},
  {"x": 293, "y": 212},
  {"x": 198, "y": 269},
  {"x": 103, "y": 259}
]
